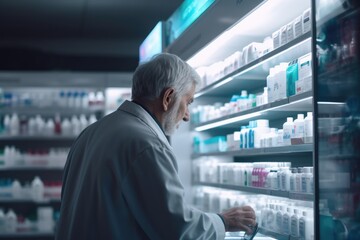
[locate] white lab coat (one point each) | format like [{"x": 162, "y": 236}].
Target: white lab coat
[{"x": 121, "y": 182}]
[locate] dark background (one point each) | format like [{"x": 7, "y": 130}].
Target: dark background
[{"x": 77, "y": 35}]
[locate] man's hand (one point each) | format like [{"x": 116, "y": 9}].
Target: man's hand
[{"x": 239, "y": 219}]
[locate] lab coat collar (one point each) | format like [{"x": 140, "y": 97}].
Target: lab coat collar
[{"x": 141, "y": 113}]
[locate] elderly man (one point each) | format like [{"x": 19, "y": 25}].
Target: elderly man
[{"x": 121, "y": 179}]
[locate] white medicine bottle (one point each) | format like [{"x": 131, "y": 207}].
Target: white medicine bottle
[
  {"x": 14, "y": 125},
  {"x": 2, "y": 221},
  {"x": 16, "y": 189},
  {"x": 37, "y": 189},
  {"x": 92, "y": 119},
  {"x": 10, "y": 221},
  {"x": 299, "y": 126},
  {"x": 294, "y": 225},
  {"x": 306, "y": 225},
  {"x": 308, "y": 128},
  {"x": 288, "y": 131}
]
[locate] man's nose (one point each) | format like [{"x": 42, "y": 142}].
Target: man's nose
[{"x": 186, "y": 118}]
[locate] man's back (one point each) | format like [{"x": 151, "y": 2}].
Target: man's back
[{"x": 93, "y": 204}]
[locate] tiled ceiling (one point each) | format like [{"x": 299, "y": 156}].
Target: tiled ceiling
[{"x": 91, "y": 35}]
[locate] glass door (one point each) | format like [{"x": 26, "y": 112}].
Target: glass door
[{"x": 337, "y": 125}]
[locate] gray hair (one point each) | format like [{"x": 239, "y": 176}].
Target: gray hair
[{"x": 163, "y": 71}]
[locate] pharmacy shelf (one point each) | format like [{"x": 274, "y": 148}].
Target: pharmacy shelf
[
  {"x": 276, "y": 110},
  {"x": 36, "y": 138},
  {"x": 264, "y": 191},
  {"x": 10, "y": 200},
  {"x": 275, "y": 235},
  {"x": 252, "y": 76},
  {"x": 27, "y": 234},
  {"x": 32, "y": 168},
  {"x": 283, "y": 150},
  {"x": 49, "y": 111}
]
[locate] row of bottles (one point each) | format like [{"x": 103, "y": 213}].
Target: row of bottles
[
  {"x": 37, "y": 190},
  {"x": 10, "y": 222},
  {"x": 254, "y": 50},
  {"x": 39, "y": 126},
  {"x": 52, "y": 98},
  {"x": 284, "y": 80},
  {"x": 237, "y": 103},
  {"x": 13, "y": 157},
  {"x": 285, "y": 218},
  {"x": 258, "y": 134},
  {"x": 270, "y": 175},
  {"x": 288, "y": 217}
]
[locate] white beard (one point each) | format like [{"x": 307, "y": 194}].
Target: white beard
[{"x": 170, "y": 123}]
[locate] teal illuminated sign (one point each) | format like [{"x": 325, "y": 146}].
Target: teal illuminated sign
[
  {"x": 184, "y": 16},
  {"x": 153, "y": 43}
]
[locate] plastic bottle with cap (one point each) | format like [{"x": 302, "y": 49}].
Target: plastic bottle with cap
[
  {"x": 308, "y": 128},
  {"x": 242, "y": 101},
  {"x": 288, "y": 131},
  {"x": 16, "y": 189},
  {"x": 262, "y": 128},
  {"x": 306, "y": 224},
  {"x": 11, "y": 222},
  {"x": 287, "y": 220},
  {"x": 304, "y": 176},
  {"x": 279, "y": 218},
  {"x": 2, "y": 221},
  {"x": 92, "y": 119},
  {"x": 270, "y": 84},
  {"x": 37, "y": 189},
  {"x": 299, "y": 125},
  {"x": 14, "y": 125},
  {"x": 294, "y": 224}
]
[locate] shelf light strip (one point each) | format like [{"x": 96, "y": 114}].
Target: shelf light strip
[
  {"x": 243, "y": 117},
  {"x": 227, "y": 121},
  {"x": 330, "y": 103}
]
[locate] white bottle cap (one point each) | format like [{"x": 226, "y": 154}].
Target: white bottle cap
[
  {"x": 289, "y": 119},
  {"x": 243, "y": 93},
  {"x": 309, "y": 114},
  {"x": 300, "y": 116}
]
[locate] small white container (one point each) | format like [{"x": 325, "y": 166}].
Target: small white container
[
  {"x": 308, "y": 128},
  {"x": 294, "y": 225},
  {"x": 16, "y": 189},
  {"x": 276, "y": 39},
  {"x": 10, "y": 221},
  {"x": 37, "y": 189},
  {"x": 299, "y": 126},
  {"x": 288, "y": 128},
  {"x": 283, "y": 35},
  {"x": 306, "y": 20},
  {"x": 290, "y": 32},
  {"x": 2, "y": 221},
  {"x": 298, "y": 28}
]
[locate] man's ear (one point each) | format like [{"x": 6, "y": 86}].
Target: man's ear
[{"x": 167, "y": 99}]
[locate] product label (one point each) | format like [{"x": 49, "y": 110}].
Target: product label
[
  {"x": 286, "y": 224},
  {"x": 302, "y": 228},
  {"x": 297, "y": 27},
  {"x": 270, "y": 220},
  {"x": 294, "y": 226},
  {"x": 276, "y": 39},
  {"x": 290, "y": 32},
  {"x": 292, "y": 184},
  {"x": 283, "y": 37}
]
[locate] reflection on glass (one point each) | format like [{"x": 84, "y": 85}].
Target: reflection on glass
[{"x": 338, "y": 107}]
